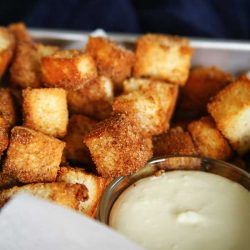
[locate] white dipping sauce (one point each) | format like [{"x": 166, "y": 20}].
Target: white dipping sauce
[{"x": 185, "y": 210}]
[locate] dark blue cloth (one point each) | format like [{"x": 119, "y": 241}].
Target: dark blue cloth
[{"x": 203, "y": 18}]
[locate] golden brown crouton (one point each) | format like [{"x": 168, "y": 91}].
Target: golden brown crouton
[
  {"x": 94, "y": 99},
  {"x": 112, "y": 60},
  {"x": 7, "y": 46},
  {"x": 4, "y": 140},
  {"x": 45, "y": 110},
  {"x": 76, "y": 149},
  {"x": 163, "y": 57},
  {"x": 7, "y": 181},
  {"x": 7, "y": 107},
  {"x": 202, "y": 84},
  {"x": 231, "y": 111},
  {"x": 93, "y": 183},
  {"x": 69, "y": 69},
  {"x": 117, "y": 147},
  {"x": 209, "y": 140},
  {"x": 20, "y": 31},
  {"x": 174, "y": 142},
  {"x": 25, "y": 70},
  {"x": 65, "y": 194},
  {"x": 151, "y": 105},
  {"x": 32, "y": 156}
]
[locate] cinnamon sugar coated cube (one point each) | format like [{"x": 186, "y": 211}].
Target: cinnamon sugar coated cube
[
  {"x": 174, "y": 142},
  {"x": 112, "y": 60},
  {"x": 230, "y": 109},
  {"x": 94, "y": 99},
  {"x": 208, "y": 139},
  {"x": 7, "y": 46},
  {"x": 65, "y": 194},
  {"x": 76, "y": 149},
  {"x": 33, "y": 156},
  {"x": 4, "y": 138},
  {"x": 94, "y": 184},
  {"x": 69, "y": 69},
  {"x": 45, "y": 110},
  {"x": 163, "y": 57},
  {"x": 117, "y": 147}
]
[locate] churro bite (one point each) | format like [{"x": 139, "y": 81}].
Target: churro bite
[
  {"x": 32, "y": 156},
  {"x": 202, "y": 84},
  {"x": 117, "y": 147},
  {"x": 78, "y": 127},
  {"x": 174, "y": 142},
  {"x": 7, "y": 47},
  {"x": 151, "y": 104},
  {"x": 163, "y": 57},
  {"x": 94, "y": 99},
  {"x": 230, "y": 109},
  {"x": 4, "y": 138},
  {"x": 95, "y": 185},
  {"x": 208, "y": 139},
  {"x": 20, "y": 32},
  {"x": 45, "y": 110},
  {"x": 112, "y": 60},
  {"x": 25, "y": 70},
  {"x": 69, "y": 69},
  {"x": 65, "y": 194},
  {"x": 8, "y": 106}
]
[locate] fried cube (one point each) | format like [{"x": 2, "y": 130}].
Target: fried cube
[
  {"x": 176, "y": 141},
  {"x": 45, "y": 110},
  {"x": 7, "y": 46},
  {"x": 4, "y": 139},
  {"x": 151, "y": 105},
  {"x": 94, "y": 184},
  {"x": 76, "y": 149},
  {"x": 20, "y": 31},
  {"x": 163, "y": 57},
  {"x": 65, "y": 194},
  {"x": 202, "y": 84},
  {"x": 117, "y": 147},
  {"x": 112, "y": 60},
  {"x": 231, "y": 111},
  {"x": 208, "y": 139},
  {"x": 32, "y": 156},
  {"x": 8, "y": 107},
  {"x": 25, "y": 70},
  {"x": 94, "y": 99},
  {"x": 69, "y": 69}
]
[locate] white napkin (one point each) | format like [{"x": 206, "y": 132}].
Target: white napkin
[{"x": 29, "y": 223}]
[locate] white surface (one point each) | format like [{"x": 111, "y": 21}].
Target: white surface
[
  {"x": 28, "y": 223},
  {"x": 185, "y": 210}
]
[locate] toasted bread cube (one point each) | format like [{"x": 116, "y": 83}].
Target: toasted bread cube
[
  {"x": 45, "y": 110},
  {"x": 94, "y": 99},
  {"x": 25, "y": 70},
  {"x": 117, "y": 147},
  {"x": 231, "y": 111},
  {"x": 163, "y": 57},
  {"x": 112, "y": 60},
  {"x": 152, "y": 105},
  {"x": 69, "y": 69},
  {"x": 7, "y": 181},
  {"x": 93, "y": 183},
  {"x": 7, "y": 46},
  {"x": 20, "y": 31},
  {"x": 32, "y": 156},
  {"x": 65, "y": 194},
  {"x": 76, "y": 149},
  {"x": 208, "y": 139},
  {"x": 174, "y": 142},
  {"x": 8, "y": 107},
  {"x": 202, "y": 84},
  {"x": 4, "y": 139}
]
